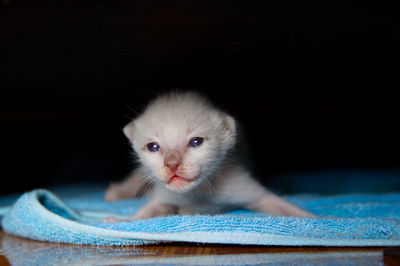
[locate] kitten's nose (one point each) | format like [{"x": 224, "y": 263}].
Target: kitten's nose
[
  {"x": 172, "y": 160},
  {"x": 173, "y": 166}
]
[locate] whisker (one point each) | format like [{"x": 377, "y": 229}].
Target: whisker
[
  {"x": 148, "y": 187},
  {"x": 148, "y": 179},
  {"x": 207, "y": 180}
]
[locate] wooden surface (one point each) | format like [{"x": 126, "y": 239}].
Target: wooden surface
[{"x": 18, "y": 251}]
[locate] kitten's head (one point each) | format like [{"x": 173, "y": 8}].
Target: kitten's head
[{"x": 182, "y": 139}]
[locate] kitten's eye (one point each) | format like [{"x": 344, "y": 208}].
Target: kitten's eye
[
  {"x": 153, "y": 146},
  {"x": 196, "y": 141}
]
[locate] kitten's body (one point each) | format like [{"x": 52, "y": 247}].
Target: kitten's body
[{"x": 179, "y": 175}]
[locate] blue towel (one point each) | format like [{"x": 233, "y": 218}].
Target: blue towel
[{"x": 350, "y": 220}]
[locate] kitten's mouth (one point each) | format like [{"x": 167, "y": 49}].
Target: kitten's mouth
[
  {"x": 177, "y": 178},
  {"x": 180, "y": 184}
]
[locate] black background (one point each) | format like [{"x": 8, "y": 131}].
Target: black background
[{"x": 308, "y": 80}]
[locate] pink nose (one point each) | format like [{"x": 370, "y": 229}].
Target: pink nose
[
  {"x": 173, "y": 166},
  {"x": 172, "y": 161}
]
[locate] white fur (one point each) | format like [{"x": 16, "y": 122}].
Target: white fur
[{"x": 216, "y": 178}]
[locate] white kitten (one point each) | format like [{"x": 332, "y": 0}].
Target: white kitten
[{"x": 188, "y": 163}]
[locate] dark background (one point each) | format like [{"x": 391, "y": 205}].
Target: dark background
[{"x": 310, "y": 82}]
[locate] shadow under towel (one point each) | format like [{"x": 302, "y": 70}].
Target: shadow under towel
[{"x": 359, "y": 220}]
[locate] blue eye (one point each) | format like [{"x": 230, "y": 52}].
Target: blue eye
[
  {"x": 195, "y": 142},
  {"x": 153, "y": 146}
]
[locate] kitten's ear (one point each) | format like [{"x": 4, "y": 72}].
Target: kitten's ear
[
  {"x": 128, "y": 130},
  {"x": 229, "y": 124}
]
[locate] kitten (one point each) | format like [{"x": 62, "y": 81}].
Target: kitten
[{"x": 188, "y": 163}]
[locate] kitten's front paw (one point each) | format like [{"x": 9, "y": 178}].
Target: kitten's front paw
[
  {"x": 114, "y": 193},
  {"x": 110, "y": 220}
]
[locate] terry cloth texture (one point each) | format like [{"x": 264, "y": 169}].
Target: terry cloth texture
[{"x": 74, "y": 216}]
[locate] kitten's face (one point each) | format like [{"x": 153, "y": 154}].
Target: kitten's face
[{"x": 182, "y": 150}]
